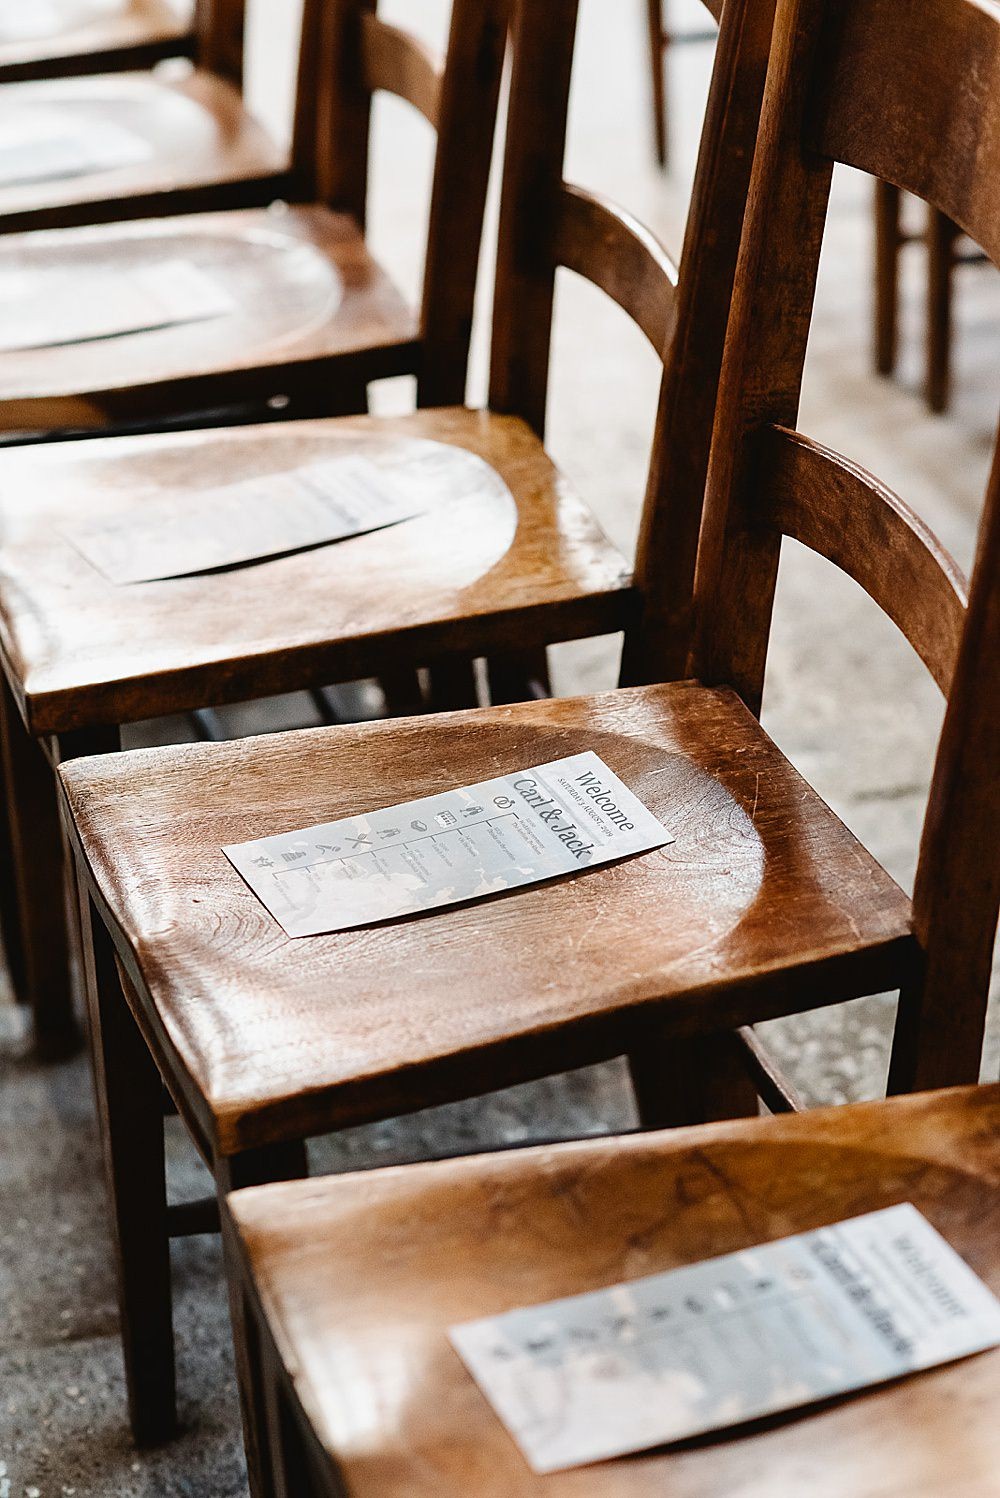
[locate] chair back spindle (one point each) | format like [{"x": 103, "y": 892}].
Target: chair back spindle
[
  {"x": 219, "y": 31},
  {"x": 914, "y": 99},
  {"x": 348, "y": 55},
  {"x": 547, "y": 224}
]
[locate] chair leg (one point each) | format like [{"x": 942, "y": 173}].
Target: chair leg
[
  {"x": 453, "y": 685},
  {"x": 657, "y": 32},
  {"x": 689, "y": 1081},
  {"x": 941, "y": 236},
  {"x": 131, "y": 1121},
  {"x": 10, "y": 905},
  {"x": 887, "y": 243},
  {"x": 292, "y": 1470},
  {"x": 404, "y": 695},
  {"x": 285, "y": 1162},
  {"x": 37, "y": 856},
  {"x": 519, "y": 676}
]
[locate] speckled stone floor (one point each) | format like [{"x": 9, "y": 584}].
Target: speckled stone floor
[{"x": 845, "y": 700}]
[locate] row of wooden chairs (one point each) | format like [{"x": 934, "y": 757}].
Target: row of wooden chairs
[{"x": 765, "y": 905}]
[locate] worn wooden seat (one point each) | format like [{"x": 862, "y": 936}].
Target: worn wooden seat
[
  {"x": 506, "y": 560},
  {"x": 765, "y": 904},
  {"x": 201, "y": 142},
  {"x": 309, "y": 303},
  {"x": 505, "y": 554},
  {"x": 545, "y": 224},
  {"x": 90, "y": 36},
  {"x": 349, "y": 1285},
  {"x": 194, "y": 143},
  {"x": 315, "y": 318}
]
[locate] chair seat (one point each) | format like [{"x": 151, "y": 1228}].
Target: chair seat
[
  {"x": 192, "y": 131},
  {"x": 74, "y": 30},
  {"x": 302, "y": 287},
  {"x": 504, "y": 555},
  {"x": 360, "y": 1276},
  {"x": 764, "y": 903}
]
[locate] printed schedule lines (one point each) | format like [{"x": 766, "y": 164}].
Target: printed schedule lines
[
  {"x": 514, "y": 830},
  {"x": 390, "y": 847},
  {"x": 650, "y": 1329}
]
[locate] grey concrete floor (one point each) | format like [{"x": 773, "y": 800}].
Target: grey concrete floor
[{"x": 845, "y": 700}]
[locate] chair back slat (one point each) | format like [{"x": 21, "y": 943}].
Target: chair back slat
[
  {"x": 219, "y": 27},
  {"x": 348, "y": 54},
  {"x": 611, "y": 249},
  {"x": 836, "y": 80},
  {"x": 546, "y": 224},
  {"x": 886, "y": 548},
  {"x": 659, "y": 649},
  {"x": 956, "y": 896},
  {"x": 397, "y": 63},
  {"x": 467, "y": 114},
  {"x": 926, "y": 116}
]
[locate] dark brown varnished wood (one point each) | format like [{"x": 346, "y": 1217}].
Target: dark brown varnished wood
[
  {"x": 942, "y": 237},
  {"x": 335, "y": 321},
  {"x": 330, "y": 320},
  {"x": 131, "y": 1119},
  {"x": 671, "y": 516},
  {"x": 888, "y": 241},
  {"x": 137, "y": 34},
  {"x": 484, "y": 569},
  {"x": 313, "y": 315},
  {"x": 923, "y": 114},
  {"x": 765, "y": 904},
  {"x": 206, "y": 150},
  {"x": 886, "y": 548},
  {"x": 43, "y": 971},
  {"x": 467, "y": 1049},
  {"x": 355, "y": 1281}
]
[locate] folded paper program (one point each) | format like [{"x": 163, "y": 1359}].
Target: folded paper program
[
  {"x": 732, "y": 1339},
  {"x": 464, "y": 844}
]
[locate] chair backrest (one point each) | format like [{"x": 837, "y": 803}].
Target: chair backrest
[
  {"x": 219, "y": 37},
  {"x": 348, "y": 55},
  {"x": 546, "y": 224},
  {"x": 912, "y": 95}
]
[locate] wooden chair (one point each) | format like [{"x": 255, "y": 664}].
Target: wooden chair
[
  {"x": 314, "y": 317},
  {"x": 88, "y": 38},
  {"x": 662, "y": 41},
  {"x": 398, "y": 1043},
  {"x": 276, "y": 620},
  {"x": 945, "y": 250},
  {"x": 193, "y": 144},
  {"x": 347, "y": 1287}
]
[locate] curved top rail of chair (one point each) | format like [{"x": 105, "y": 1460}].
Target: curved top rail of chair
[
  {"x": 845, "y": 514},
  {"x": 615, "y": 252},
  {"x": 395, "y": 61}
]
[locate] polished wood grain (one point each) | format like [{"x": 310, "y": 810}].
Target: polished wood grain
[
  {"x": 356, "y": 1279},
  {"x": 847, "y": 91},
  {"x": 311, "y": 301},
  {"x": 206, "y": 150},
  {"x": 311, "y": 305},
  {"x": 764, "y": 905},
  {"x": 506, "y": 555},
  {"x": 887, "y": 548},
  {"x": 297, "y": 1079},
  {"x": 91, "y": 37}
]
